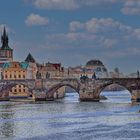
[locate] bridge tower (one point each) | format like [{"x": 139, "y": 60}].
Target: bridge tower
[{"x": 6, "y": 53}]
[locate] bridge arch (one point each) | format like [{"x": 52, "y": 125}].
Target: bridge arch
[
  {"x": 6, "y": 90},
  {"x": 124, "y": 87},
  {"x": 53, "y": 89}
]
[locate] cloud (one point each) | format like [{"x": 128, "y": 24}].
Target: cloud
[
  {"x": 97, "y": 2},
  {"x": 106, "y": 26},
  {"x": 69, "y": 4},
  {"x": 131, "y": 7},
  {"x": 75, "y": 25},
  {"x": 35, "y": 19},
  {"x": 56, "y": 4},
  {"x": 96, "y": 35},
  {"x": 128, "y": 7}
]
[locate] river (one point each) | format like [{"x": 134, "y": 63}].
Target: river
[{"x": 68, "y": 119}]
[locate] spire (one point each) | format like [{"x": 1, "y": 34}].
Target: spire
[
  {"x": 4, "y": 31},
  {"x": 30, "y": 58},
  {"x": 5, "y": 40}
]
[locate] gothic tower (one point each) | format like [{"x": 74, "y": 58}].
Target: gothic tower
[{"x": 6, "y": 53}]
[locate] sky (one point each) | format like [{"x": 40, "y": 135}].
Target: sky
[{"x": 72, "y": 32}]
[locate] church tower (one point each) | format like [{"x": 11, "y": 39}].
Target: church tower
[{"x": 6, "y": 53}]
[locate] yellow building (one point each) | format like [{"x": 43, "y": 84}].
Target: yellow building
[{"x": 15, "y": 71}]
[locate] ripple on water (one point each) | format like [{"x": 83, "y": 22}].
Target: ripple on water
[{"x": 69, "y": 120}]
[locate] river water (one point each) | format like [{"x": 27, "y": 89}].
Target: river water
[{"x": 68, "y": 119}]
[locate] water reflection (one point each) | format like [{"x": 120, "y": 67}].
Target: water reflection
[
  {"x": 117, "y": 96},
  {"x": 6, "y": 126},
  {"x": 71, "y": 97}
]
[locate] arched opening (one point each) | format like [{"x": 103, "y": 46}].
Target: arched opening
[
  {"x": 65, "y": 93},
  {"x": 71, "y": 95},
  {"x": 18, "y": 91},
  {"x": 116, "y": 94}
]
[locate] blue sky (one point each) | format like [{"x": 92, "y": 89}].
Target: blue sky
[{"x": 75, "y": 31}]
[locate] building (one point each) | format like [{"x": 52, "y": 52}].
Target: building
[
  {"x": 6, "y": 53},
  {"x": 75, "y": 72},
  {"x": 55, "y": 70},
  {"x": 14, "y": 71},
  {"x": 97, "y": 67},
  {"x": 41, "y": 71},
  {"x": 50, "y": 70},
  {"x": 32, "y": 67},
  {"x": 92, "y": 67}
]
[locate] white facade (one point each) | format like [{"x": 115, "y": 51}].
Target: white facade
[{"x": 31, "y": 70}]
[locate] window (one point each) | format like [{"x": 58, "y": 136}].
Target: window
[
  {"x": 10, "y": 76},
  {"x": 6, "y": 76},
  {"x": 15, "y": 76}
]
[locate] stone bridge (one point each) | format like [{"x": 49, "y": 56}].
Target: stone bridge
[{"x": 88, "y": 89}]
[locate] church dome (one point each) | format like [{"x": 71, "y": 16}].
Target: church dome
[{"x": 94, "y": 63}]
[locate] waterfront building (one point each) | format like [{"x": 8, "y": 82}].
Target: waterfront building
[
  {"x": 14, "y": 71},
  {"x": 75, "y": 72},
  {"x": 55, "y": 70},
  {"x": 41, "y": 71},
  {"x": 92, "y": 68},
  {"x": 32, "y": 67},
  {"x": 6, "y": 53},
  {"x": 97, "y": 67},
  {"x": 50, "y": 70}
]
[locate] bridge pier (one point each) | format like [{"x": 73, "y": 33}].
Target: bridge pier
[
  {"x": 4, "y": 98},
  {"x": 135, "y": 95},
  {"x": 89, "y": 94},
  {"x": 88, "y": 97},
  {"x": 5, "y": 95},
  {"x": 89, "y": 91}
]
